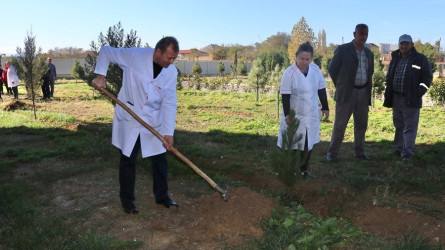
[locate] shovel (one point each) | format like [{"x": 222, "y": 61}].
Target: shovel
[{"x": 172, "y": 149}]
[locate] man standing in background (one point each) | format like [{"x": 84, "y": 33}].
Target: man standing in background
[
  {"x": 409, "y": 77},
  {"x": 351, "y": 70},
  {"x": 52, "y": 76}
]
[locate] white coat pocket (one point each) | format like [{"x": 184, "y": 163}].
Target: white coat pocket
[{"x": 153, "y": 104}]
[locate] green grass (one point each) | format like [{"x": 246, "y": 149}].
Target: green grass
[{"x": 225, "y": 134}]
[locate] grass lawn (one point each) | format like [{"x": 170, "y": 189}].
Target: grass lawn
[{"x": 58, "y": 172}]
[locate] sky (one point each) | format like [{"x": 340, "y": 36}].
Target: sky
[{"x": 196, "y": 24}]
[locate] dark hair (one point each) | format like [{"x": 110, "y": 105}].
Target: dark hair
[
  {"x": 165, "y": 42},
  {"x": 305, "y": 47},
  {"x": 361, "y": 26}
]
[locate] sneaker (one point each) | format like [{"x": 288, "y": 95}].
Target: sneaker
[
  {"x": 330, "y": 157},
  {"x": 306, "y": 175}
]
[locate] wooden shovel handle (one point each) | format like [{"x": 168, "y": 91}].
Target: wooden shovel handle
[{"x": 172, "y": 149}]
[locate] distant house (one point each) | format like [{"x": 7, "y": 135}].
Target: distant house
[
  {"x": 210, "y": 49},
  {"x": 386, "y": 49},
  {"x": 192, "y": 55}
]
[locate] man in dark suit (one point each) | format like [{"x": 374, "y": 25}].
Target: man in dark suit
[{"x": 351, "y": 70}]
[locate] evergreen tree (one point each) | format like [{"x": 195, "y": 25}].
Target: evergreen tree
[
  {"x": 115, "y": 37},
  {"x": 77, "y": 71},
  {"x": 284, "y": 161},
  {"x": 196, "y": 70},
  {"x": 221, "y": 68},
  {"x": 31, "y": 67},
  {"x": 242, "y": 69}
]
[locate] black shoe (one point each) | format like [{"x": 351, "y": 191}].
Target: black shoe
[
  {"x": 330, "y": 157},
  {"x": 396, "y": 152},
  {"x": 306, "y": 175},
  {"x": 363, "y": 157},
  {"x": 129, "y": 208},
  {"x": 407, "y": 159},
  {"x": 168, "y": 203}
]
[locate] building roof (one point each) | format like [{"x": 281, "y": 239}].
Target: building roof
[{"x": 210, "y": 48}]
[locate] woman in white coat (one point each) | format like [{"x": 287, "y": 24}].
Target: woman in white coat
[
  {"x": 13, "y": 79},
  {"x": 302, "y": 85},
  {"x": 149, "y": 90}
]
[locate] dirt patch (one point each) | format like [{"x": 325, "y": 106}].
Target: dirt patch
[
  {"x": 14, "y": 105},
  {"x": 205, "y": 223},
  {"x": 239, "y": 216}
]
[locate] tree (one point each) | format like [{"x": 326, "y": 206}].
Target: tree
[
  {"x": 256, "y": 75},
  {"x": 283, "y": 160},
  {"x": 378, "y": 78},
  {"x": 221, "y": 68},
  {"x": 267, "y": 67},
  {"x": 275, "y": 42},
  {"x": 242, "y": 69},
  {"x": 115, "y": 37},
  {"x": 31, "y": 67},
  {"x": 67, "y": 52},
  {"x": 430, "y": 51},
  {"x": 196, "y": 70},
  {"x": 301, "y": 33},
  {"x": 220, "y": 53},
  {"x": 234, "y": 66},
  {"x": 321, "y": 43},
  {"x": 77, "y": 71},
  {"x": 194, "y": 54}
]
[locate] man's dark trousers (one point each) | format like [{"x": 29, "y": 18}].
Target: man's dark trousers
[{"x": 127, "y": 175}]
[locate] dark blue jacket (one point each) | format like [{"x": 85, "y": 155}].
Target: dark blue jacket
[{"x": 418, "y": 77}]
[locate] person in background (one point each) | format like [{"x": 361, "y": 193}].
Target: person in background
[
  {"x": 1, "y": 83},
  {"x": 351, "y": 70},
  {"x": 13, "y": 79},
  {"x": 149, "y": 90},
  {"x": 45, "y": 87},
  {"x": 52, "y": 74},
  {"x": 409, "y": 77},
  {"x": 4, "y": 79},
  {"x": 302, "y": 84}
]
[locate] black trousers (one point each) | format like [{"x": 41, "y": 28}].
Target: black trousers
[
  {"x": 45, "y": 89},
  {"x": 16, "y": 92},
  {"x": 127, "y": 175},
  {"x": 8, "y": 90}
]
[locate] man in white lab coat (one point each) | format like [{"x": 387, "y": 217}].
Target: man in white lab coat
[
  {"x": 13, "y": 79},
  {"x": 149, "y": 90}
]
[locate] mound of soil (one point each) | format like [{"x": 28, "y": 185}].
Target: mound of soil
[{"x": 16, "y": 105}]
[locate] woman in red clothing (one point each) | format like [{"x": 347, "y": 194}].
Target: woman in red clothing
[{"x": 4, "y": 79}]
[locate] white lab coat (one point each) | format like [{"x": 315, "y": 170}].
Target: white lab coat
[
  {"x": 12, "y": 76},
  {"x": 304, "y": 100},
  {"x": 153, "y": 100}
]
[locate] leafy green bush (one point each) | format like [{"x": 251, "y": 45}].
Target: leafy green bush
[
  {"x": 298, "y": 229},
  {"x": 437, "y": 91}
]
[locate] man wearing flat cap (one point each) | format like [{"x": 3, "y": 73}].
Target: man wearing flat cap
[{"x": 409, "y": 77}]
